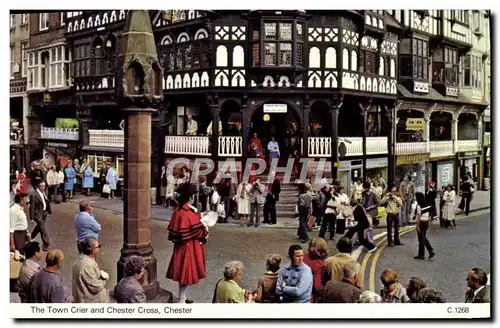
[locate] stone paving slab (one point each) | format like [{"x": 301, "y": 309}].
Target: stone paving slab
[{"x": 480, "y": 201}]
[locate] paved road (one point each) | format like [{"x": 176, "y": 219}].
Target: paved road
[
  {"x": 457, "y": 251},
  {"x": 250, "y": 245}
]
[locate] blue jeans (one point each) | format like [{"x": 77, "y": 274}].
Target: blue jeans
[{"x": 303, "y": 215}]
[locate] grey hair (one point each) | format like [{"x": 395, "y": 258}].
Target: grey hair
[
  {"x": 351, "y": 269},
  {"x": 369, "y": 297},
  {"x": 87, "y": 245},
  {"x": 231, "y": 269},
  {"x": 134, "y": 265}
]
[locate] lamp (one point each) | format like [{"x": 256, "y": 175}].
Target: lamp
[{"x": 266, "y": 117}]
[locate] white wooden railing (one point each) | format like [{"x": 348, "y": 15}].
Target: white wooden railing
[
  {"x": 187, "y": 145},
  {"x": 59, "y": 133},
  {"x": 468, "y": 145},
  {"x": 410, "y": 148},
  {"x": 320, "y": 147},
  {"x": 230, "y": 146},
  {"x": 441, "y": 148},
  {"x": 376, "y": 145},
  {"x": 354, "y": 146},
  {"x": 107, "y": 138}
]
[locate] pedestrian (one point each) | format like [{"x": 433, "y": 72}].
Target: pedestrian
[
  {"x": 170, "y": 191},
  {"x": 266, "y": 286},
  {"x": 88, "y": 179},
  {"x": 275, "y": 197},
  {"x": 52, "y": 183},
  {"x": 420, "y": 210},
  {"x": 370, "y": 204},
  {"x": 19, "y": 234},
  {"x": 89, "y": 281},
  {"x": 478, "y": 291},
  {"x": 13, "y": 192},
  {"x": 449, "y": 207},
  {"x": 346, "y": 290},
  {"x": 430, "y": 295},
  {"x": 204, "y": 193},
  {"x": 381, "y": 182},
  {"x": 334, "y": 265},
  {"x": 60, "y": 182},
  {"x": 257, "y": 199},
  {"x": 187, "y": 265},
  {"x": 163, "y": 186},
  {"x": 393, "y": 291},
  {"x": 295, "y": 281},
  {"x": 467, "y": 189},
  {"x": 242, "y": 199},
  {"x": 357, "y": 191},
  {"x": 370, "y": 297},
  {"x": 363, "y": 224},
  {"x": 36, "y": 174},
  {"x": 46, "y": 285},
  {"x": 430, "y": 197},
  {"x": 227, "y": 289},
  {"x": 315, "y": 259},
  {"x": 415, "y": 285},
  {"x": 304, "y": 205},
  {"x": 102, "y": 179},
  {"x": 81, "y": 174},
  {"x": 86, "y": 225},
  {"x": 129, "y": 289},
  {"x": 274, "y": 153},
  {"x": 78, "y": 177},
  {"x": 330, "y": 210},
  {"x": 377, "y": 189},
  {"x": 393, "y": 207},
  {"x": 112, "y": 180},
  {"x": 33, "y": 254},
  {"x": 344, "y": 210},
  {"x": 39, "y": 211},
  {"x": 70, "y": 175},
  {"x": 23, "y": 181},
  {"x": 407, "y": 193}
]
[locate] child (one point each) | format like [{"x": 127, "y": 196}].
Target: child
[
  {"x": 393, "y": 291},
  {"x": 266, "y": 287}
]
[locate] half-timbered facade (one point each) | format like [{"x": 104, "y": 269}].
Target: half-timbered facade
[
  {"x": 288, "y": 74},
  {"x": 436, "y": 121}
]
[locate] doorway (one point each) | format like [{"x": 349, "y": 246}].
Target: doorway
[{"x": 282, "y": 126}]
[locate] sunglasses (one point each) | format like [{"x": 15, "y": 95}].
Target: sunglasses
[{"x": 98, "y": 246}]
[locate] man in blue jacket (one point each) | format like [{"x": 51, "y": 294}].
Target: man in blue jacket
[
  {"x": 295, "y": 281},
  {"x": 85, "y": 223}
]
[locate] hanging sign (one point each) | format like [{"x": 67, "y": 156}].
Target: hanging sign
[
  {"x": 415, "y": 124},
  {"x": 275, "y": 108}
]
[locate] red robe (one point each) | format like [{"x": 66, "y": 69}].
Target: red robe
[
  {"x": 187, "y": 265},
  {"x": 24, "y": 182}
]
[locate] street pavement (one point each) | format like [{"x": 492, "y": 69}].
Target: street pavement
[
  {"x": 480, "y": 201},
  {"x": 457, "y": 251},
  {"x": 226, "y": 243}
]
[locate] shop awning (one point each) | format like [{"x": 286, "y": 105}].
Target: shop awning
[{"x": 103, "y": 149}]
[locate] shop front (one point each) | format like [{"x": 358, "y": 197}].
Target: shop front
[
  {"x": 348, "y": 172},
  {"x": 469, "y": 163},
  {"x": 57, "y": 153},
  {"x": 375, "y": 166},
  {"x": 97, "y": 158},
  {"x": 413, "y": 165}
]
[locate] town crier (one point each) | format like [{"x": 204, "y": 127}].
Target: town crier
[{"x": 187, "y": 265}]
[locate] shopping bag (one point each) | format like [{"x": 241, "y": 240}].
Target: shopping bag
[
  {"x": 106, "y": 189},
  {"x": 15, "y": 264},
  {"x": 221, "y": 211},
  {"x": 215, "y": 197},
  {"x": 311, "y": 221},
  {"x": 381, "y": 212},
  {"x": 368, "y": 234}
]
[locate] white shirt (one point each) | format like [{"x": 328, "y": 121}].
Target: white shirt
[
  {"x": 18, "y": 219},
  {"x": 192, "y": 128},
  {"x": 60, "y": 177},
  {"x": 273, "y": 146},
  {"x": 42, "y": 195},
  {"x": 423, "y": 217}
]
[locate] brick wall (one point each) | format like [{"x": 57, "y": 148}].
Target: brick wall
[{"x": 54, "y": 33}]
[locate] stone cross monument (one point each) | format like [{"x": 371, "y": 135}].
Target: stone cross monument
[{"x": 139, "y": 92}]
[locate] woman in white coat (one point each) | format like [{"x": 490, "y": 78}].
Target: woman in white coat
[
  {"x": 449, "y": 206},
  {"x": 242, "y": 198}
]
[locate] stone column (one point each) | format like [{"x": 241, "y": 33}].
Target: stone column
[
  {"x": 139, "y": 91},
  {"x": 305, "y": 129},
  {"x": 454, "y": 133},
  {"x": 157, "y": 146}
]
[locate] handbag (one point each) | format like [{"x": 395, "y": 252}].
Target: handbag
[
  {"x": 106, "y": 189},
  {"x": 15, "y": 264},
  {"x": 381, "y": 212},
  {"x": 215, "y": 197}
]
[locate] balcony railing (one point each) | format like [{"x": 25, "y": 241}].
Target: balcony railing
[
  {"x": 410, "y": 148},
  {"x": 320, "y": 147},
  {"x": 94, "y": 83},
  {"x": 374, "y": 145},
  {"x": 187, "y": 145},
  {"x": 107, "y": 138},
  {"x": 59, "y": 133},
  {"x": 441, "y": 148},
  {"x": 468, "y": 145},
  {"x": 230, "y": 146}
]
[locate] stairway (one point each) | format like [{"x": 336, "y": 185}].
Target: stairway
[{"x": 285, "y": 207}]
